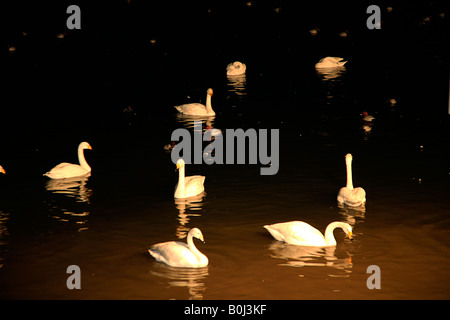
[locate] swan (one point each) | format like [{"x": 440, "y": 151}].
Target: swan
[
  {"x": 2, "y": 170},
  {"x": 367, "y": 117},
  {"x": 168, "y": 147},
  {"x": 303, "y": 234},
  {"x": 69, "y": 170},
  {"x": 330, "y": 62},
  {"x": 348, "y": 195},
  {"x": 236, "y": 68},
  {"x": 179, "y": 254},
  {"x": 188, "y": 186},
  {"x": 198, "y": 109}
]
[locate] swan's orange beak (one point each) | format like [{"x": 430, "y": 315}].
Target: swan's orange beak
[
  {"x": 178, "y": 166},
  {"x": 2, "y": 170},
  {"x": 350, "y": 235},
  {"x": 89, "y": 147},
  {"x": 201, "y": 238}
]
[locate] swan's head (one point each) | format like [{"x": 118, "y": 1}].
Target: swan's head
[
  {"x": 85, "y": 145},
  {"x": 180, "y": 163},
  {"x": 348, "y": 231},
  {"x": 348, "y": 157},
  {"x": 209, "y": 92},
  {"x": 2, "y": 170},
  {"x": 196, "y": 233}
]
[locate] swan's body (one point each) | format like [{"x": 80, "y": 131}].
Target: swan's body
[
  {"x": 2, "y": 170},
  {"x": 330, "y": 62},
  {"x": 302, "y": 234},
  {"x": 198, "y": 109},
  {"x": 314, "y": 31},
  {"x": 348, "y": 195},
  {"x": 69, "y": 170},
  {"x": 188, "y": 186},
  {"x": 236, "y": 68},
  {"x": 168, "y": 147},
  {"x": 367, "y": 117},
  {"x": 179, "y": 254}
]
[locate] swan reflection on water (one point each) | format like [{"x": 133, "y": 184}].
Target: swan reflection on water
[
  {"x": 350, "y": 214},
  {"x": 4, "y": 217},
  {"x": 308, "y": 256},
  {"x": 330, "y": 73},
  {"x": 187, "y": 208},
  {"x": 70, "y": 188},
  {"x": 188, "y": 122},
  {"x": 237, "y": 84},
  {"x": 191, "y": 278}
]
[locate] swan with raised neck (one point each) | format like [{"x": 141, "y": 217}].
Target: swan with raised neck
[
  {"x": 349, "y": 195},
  {"x": 188, "y": 186},
  {"x": 198, "y": 109},
  {"x": 69, "y": 170},
  {"x": 179, "y": 254}
]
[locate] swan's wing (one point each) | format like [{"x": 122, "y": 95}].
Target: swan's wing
[
  {"x": 175, "y": 254},
  {"x": 333, "y": 59},
  {"x": 66, "y": 170},
  {"x": 296, "y": 232},
  {"x": 194, "y": 185},
  {"x": 353, "y": 198},
  {"x": 329, "y": 62},
  {"x": 192, "y": 109}
]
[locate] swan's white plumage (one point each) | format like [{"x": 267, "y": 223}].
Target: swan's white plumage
[
  {"x": 198, "y": 109},
  {"x": 236, "y": 68},
  {"x": 302, "y": 234},
  {"x": 367, "y": 117},
  {"x": 188, "y": 186},
  {"x": 179, "y": 254},
  {"x": 348, "y": 195},
  {"x": 69, "y": 170},
  {"x": 330, "y": 62}
]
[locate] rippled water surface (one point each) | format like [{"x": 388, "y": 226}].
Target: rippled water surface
[{"x": 123, "y": 106}]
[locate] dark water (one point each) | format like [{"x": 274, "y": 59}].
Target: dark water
[{"x": 64, "y": 91}]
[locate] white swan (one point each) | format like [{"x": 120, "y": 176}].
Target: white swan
[
  {"x": 2, "y": 170},
  {"x": 236, "y": 68},
  {"x": 348, "y": 195},
  {"x": 330, "y": 62},
  {"x": 69, "y": 170},
  {"x": 367, "y": 117},
  {"x": 188, "y": 186},
  {"x": 179, "y": 254},
  {"x": 198, "y": 109},
  {"x": 302, "y": 234}
]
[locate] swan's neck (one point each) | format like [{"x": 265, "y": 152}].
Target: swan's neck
[
  {"x": 181, "y": 181},
  {"x": 329, "y": 236},
  {"x": 193, "y": 248},
  {"x": 208, "y": 105},
  {"x": 349, "y": 174},
  {"x": 82, "y": 160}
]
